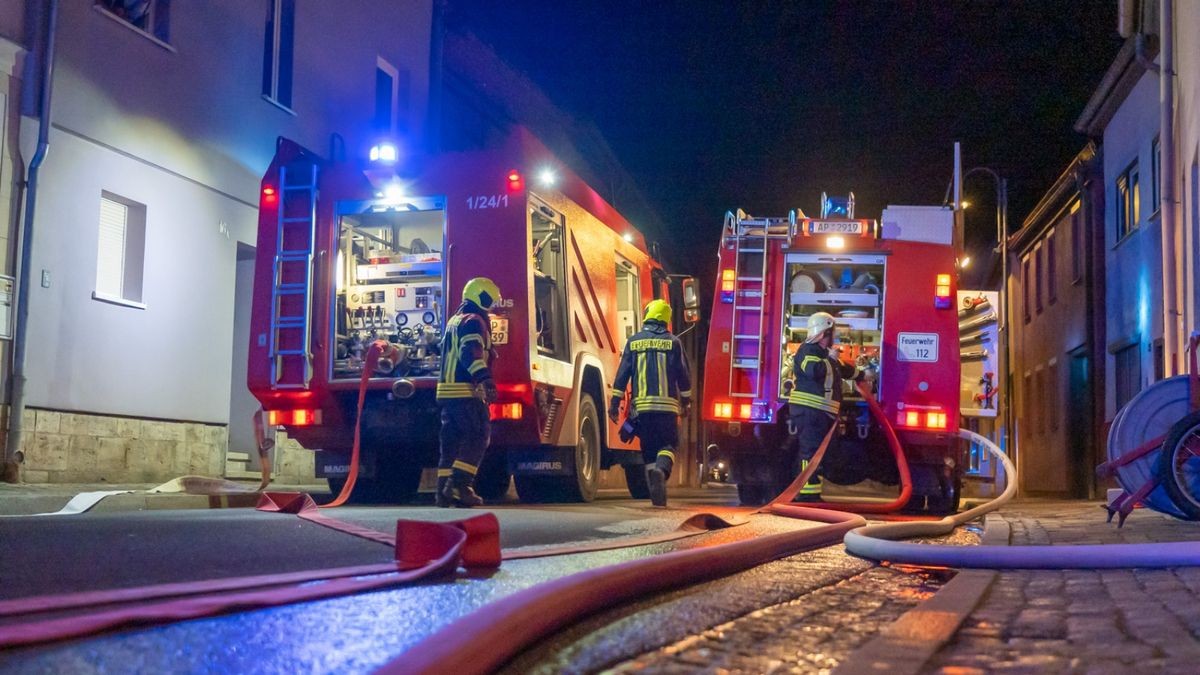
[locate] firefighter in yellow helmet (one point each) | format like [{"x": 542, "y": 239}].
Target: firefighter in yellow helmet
[
  {"x": 464, "y": 390},
  {"x": 816, "y": 394},
  {"x": 653, "y": 365}
]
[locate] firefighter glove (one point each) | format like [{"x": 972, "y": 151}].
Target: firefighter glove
[
  {"x": 614, "y": 410},
  {"x": 489, "y": 390}
]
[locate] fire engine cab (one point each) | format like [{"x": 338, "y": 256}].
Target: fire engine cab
[
  {"x": 348, "y": 255},
  {"x": 891, "y": 290}
]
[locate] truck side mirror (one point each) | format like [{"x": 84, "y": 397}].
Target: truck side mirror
[{"x": 691, "y": 300}]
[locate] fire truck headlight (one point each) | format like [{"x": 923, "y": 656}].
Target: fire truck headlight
[
  {"x": 835, "y": 242},
  {"x": 386, "y": 153}
]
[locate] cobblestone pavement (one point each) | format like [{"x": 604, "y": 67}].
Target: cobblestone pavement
[
  {"x": 800, "y": 614},
  {"x": 1083, "y": 621}
]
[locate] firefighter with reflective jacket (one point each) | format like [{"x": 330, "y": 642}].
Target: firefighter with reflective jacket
[
  {"x": 816, "y": 394},
  {"x": 464, "y": 390},
  {"x": 653, "y": 365}
]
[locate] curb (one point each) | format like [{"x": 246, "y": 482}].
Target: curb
[
  {"x": 904, "y": 647},
  {"x": 32, "y": 504}
]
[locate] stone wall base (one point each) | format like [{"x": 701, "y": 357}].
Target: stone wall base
[{"x": 69, "y": 447}]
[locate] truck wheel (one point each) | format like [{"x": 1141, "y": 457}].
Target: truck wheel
[
  {"x": 635, "y": 480},
  {"x": 587, "y": 454},
  {"x": 493, "y": 478}
]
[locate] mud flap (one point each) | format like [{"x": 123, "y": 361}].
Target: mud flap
[{"x": 542, "y": 462}]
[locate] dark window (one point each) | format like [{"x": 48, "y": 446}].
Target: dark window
[
  {"x": 1053, "y": 405},
  {"x": 1077, "y": 253},
  {"x": 152, "y": 17},
  {"x": 1051, "y": 267},
  {"x": 278, "y": 48},
  {"x": 1128, "y": 373},
  {"x": 1039, "y": 410},
  {"x": 1129, "y": 198},
  {"x": 1038, "y": 270},
  {"x": 1025, "y": 286},
  {"x": 1155, "y": 170},
  {"x": 1160, "y": 362}
]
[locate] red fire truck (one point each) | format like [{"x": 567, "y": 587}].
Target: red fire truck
[
  {"x": 349, "y": 254},
  {"x": 891, "y": 291}
]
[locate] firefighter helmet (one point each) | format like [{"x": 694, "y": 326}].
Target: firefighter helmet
[
  {"x": 818, "y": 323},
  {"x": 481, "y": 291},
  {"x": 658, "y": 310}
]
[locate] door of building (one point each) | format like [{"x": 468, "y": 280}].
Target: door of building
[{"x": 1080, "y": 436}]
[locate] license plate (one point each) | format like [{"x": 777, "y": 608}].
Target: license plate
[{"x": 835, "y": 227}]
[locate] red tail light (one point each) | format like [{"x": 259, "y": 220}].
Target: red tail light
[
  {"x": 920, "y": 417},
  {"x": 515, "y": 182},
  {"x": 506, "y": 411},
  {"x": 941, "y": 297},
  {"x": 723, "y": 410},
  {"x": 293, "y": 418}
]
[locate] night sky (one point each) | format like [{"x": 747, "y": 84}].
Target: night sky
[{"x": 713, "y": 106}]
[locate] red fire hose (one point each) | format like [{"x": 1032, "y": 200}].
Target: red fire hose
[
  {"x": 897, "y": 452},
  {"x": 369, "y": 361}
]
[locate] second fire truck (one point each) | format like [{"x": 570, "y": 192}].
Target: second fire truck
[
  {"x": 351, "y": 254},
  {"x": 891, "y": 290}
]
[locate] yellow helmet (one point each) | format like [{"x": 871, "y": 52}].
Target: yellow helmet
[
  {"x": 659, "y": 310},
  {"x": 481, "y": 291}
]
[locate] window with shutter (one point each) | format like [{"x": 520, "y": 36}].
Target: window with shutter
[{"x": 120, "y": 250}]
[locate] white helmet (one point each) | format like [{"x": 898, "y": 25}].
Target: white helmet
[{"x": 818, "y": 323}]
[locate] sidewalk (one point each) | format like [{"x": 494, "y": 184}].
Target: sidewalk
[
  {"x": 30, "y": 498},
  {"x": 1082, "y": 621}
]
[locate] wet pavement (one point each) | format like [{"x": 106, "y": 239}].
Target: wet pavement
[{"x": 1083, "y": 621}]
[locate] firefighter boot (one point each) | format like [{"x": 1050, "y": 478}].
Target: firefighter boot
[
  {"x": 458, "y": 491},
  {"x": 811, "y": 492},
  {"x": 658, "y": 485},
  {"x": 440, "y": 499}
]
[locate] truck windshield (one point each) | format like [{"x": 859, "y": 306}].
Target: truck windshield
[{"x": 388, "y": 285}]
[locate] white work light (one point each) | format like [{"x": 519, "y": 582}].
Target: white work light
[
  {"x": 547, "y": 178},
  {"x": 385, "y": 152}
]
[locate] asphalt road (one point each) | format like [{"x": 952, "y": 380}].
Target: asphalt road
[{"x": 348, "y": 634}]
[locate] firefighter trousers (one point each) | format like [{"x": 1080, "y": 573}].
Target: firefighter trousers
[
  {"x": 465, "y": 434},
  {"x": 659, "y": 434},
  {"x": 811, "y": 426}
]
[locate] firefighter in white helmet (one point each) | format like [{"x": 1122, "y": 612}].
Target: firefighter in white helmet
[
  {"x": 653, "y": 366},
  {"x": 816, "y": 394},
  {"x": 465, "y": 388}
]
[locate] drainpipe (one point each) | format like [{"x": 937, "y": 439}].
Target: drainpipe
[
  {"x": 1170, "y": 267},
  {"x": 16, "y": 411}
]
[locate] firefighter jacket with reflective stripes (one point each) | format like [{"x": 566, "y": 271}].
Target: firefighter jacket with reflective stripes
[
  {"x": 466, "y": 348},
  {"x": 653, "y": 364},
  {"x": 818, "y": 378}
]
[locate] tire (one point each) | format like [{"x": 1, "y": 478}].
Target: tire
[
  {"x": 587, "y": 454},
  {"x": 635, "y": 480},
  {"x": 1178, "y": 465},
  {"x": 493, "y": 478}
]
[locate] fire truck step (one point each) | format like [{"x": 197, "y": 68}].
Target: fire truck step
[
  {"x": 294, "y": 255},
  {"x": 291, "y": 289},
  {"x": 750, "y": 250},
  {"x": 297, "y": 219},
  {"x": 306, "y": 188}
]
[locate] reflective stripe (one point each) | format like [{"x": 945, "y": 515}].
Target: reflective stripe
[
  {"x": 655, "y": 403},
  {"x": 618, "y": 393},
  {"x": 804, "y": 363},
  {"x": 476, "y": 366},
  {"x": 444, "y": 473},
  {"x": 471, "y": 338},
  {"x": 667, "y": 453},
  {"x": 662, "y": 374},
  {"x": 813, "y": 486},
  {"x": 641, "y": 371},
  {"x": 686, "y": 394},
  {"x": 813, "y": 401},
  {"x": 460, "y": 465},
  {"x": 455, "y": 390}
]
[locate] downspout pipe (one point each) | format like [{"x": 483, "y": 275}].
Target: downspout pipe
[
  {"x": 1172, "y": 317},
  {"x": 16, "y": 411}
]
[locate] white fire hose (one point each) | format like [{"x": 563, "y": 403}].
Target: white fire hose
[{"x": 875, "y": 541}]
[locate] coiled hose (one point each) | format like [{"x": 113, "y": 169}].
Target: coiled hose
[{"x": 876, "y": 541}]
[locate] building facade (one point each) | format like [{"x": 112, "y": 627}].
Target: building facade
[
  {"x": 164, "y": 117},
  {"x": 1056, "y": 288}
]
